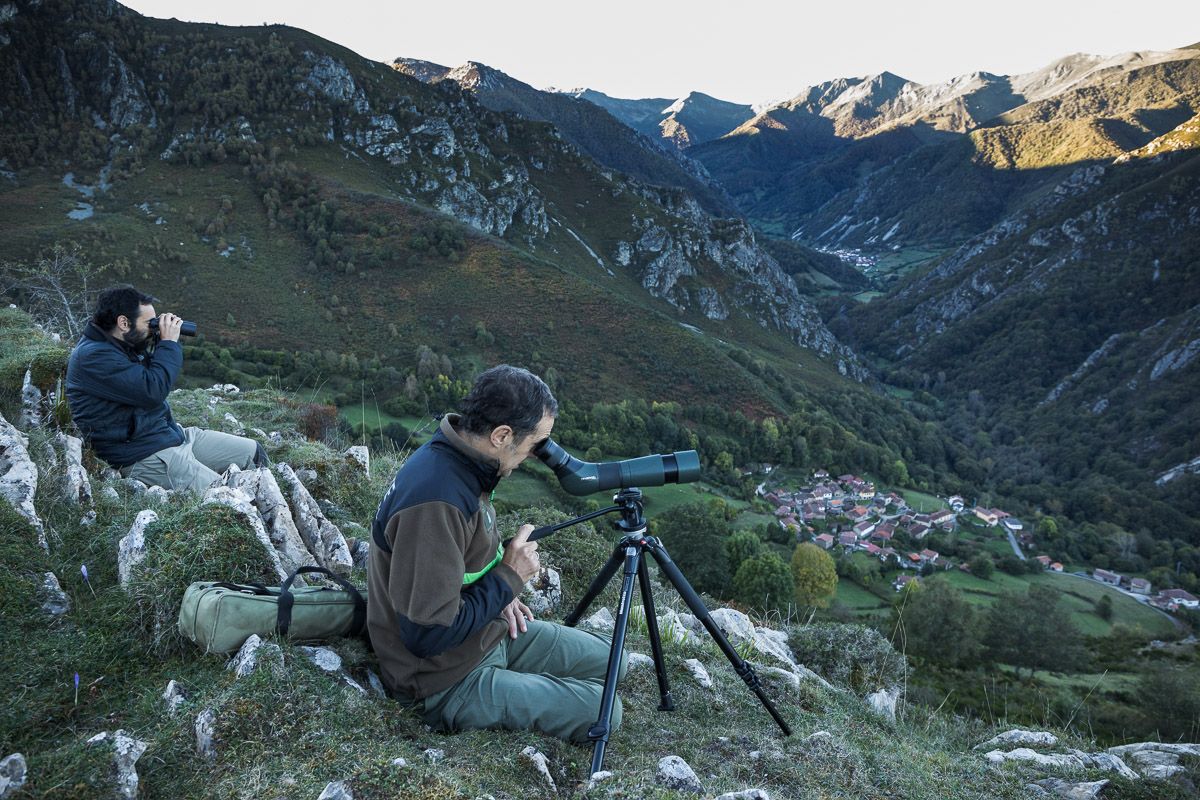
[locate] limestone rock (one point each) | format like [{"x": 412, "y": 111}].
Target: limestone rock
[
  {"x": 1162, "y": 772},
  {"x": 671, "y": 627},
  {"x": 268, "y": 500},
  {"x": 434, "y": 755},
  {"x": 1018, "y": 736},
  {"x": 1105, "y": 761},
  {"x": 602, "y": 620},
  {"x": 375, "y": 684},
  {"x": 88, "y": 519},
  {"x": 598, "y": 777},
  {"x": 241, "y": 502},
  {"x": 738, "y": 628},
  {"x": 545, "y": 592},
  {"x": 698, "y": 672},
  {"x": 233, "y": 425},
  {"x": 1177, "y": 748},
  {"x": 748, "y": 794},
  {"x": 640, "y": 660},
  {"x": 336, "y": 790},
  {"x": 225, "y": 388},
  {"x": 110, "y": 494},
  {"x": 323, "y": 657},
  {"x": 131, "y": 550},
  {"x": 31, "y": 403},
  {"x": 126, "y": 752},
  {"x": 205, "y": 727},
  {"x": 54, "y": 600},
  {"x": 1052, "y": 760},
  {"x": 541, "y": 764},
  {"x": 252, "y": 650},
  {"x": 1057, "y": 787},
  {"x": 77, "y": 487},
  {"x": 12, "y": 774},
  {"x": 359, "y": 456},
  {"x": 360, "y": 552},
  {"x": 137, "y": 487},
  {"x": 157, "y": 494},
  {"x": 325, "y": 541},
  {"x": 174, "y": 697},
  {"x": 883, "y": 703},
  {"x": 674, "y": 773},
  {"x": 19, "y": 477}
]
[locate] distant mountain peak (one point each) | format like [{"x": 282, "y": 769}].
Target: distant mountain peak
[{"x": 424, "y": 71}]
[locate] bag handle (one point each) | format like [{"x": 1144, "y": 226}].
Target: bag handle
[
  {"x": 252, "y": 588},
  {"x": 283, "y": 620}
]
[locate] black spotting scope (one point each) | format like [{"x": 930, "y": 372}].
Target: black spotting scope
[
  {"x": 185, "y": 329},
  {"x": 585, "y": 477}
]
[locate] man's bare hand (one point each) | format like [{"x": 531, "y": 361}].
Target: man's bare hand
[
  {"x": 515, "y": 614},
  {"x": 521, "y": 554},
  {"x": 168, "y": 327}
]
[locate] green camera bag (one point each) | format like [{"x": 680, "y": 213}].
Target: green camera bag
[{"x": 220, "y": 616}]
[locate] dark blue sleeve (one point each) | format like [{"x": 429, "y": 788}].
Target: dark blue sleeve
[
  {"x": 112, "y": 376},
  {"x": 482, "y": 602}
]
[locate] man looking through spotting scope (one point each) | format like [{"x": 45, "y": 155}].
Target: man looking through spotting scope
[
  {"x": 118, "y": 378},
  {"x": 444, "y": 612}
]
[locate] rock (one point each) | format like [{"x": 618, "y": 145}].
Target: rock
[
  {"x": 670, "y": 625},
  {"x": 54, "y": 600},
  {"x": 1162, "y": 772},
  {"x": 12, "y": 774},
  {"x": 174, "y": 696},
  {"x": 19, "y": 477},
  {"x": 336, "y": 790},
  {"x": 225, "y": 388},
  {"x": 323, "y": 657},
  {"x": 137, "y": 487},
  {"x": 259, "y": 433},
  {"x": 233, "y": 425},
  {"x": 131, "y": 550},
  {"x": 640, "y": 660},
  {"x": 241, "y": 502},
  {"x": 1179, "y": 749},
  {"x": 248, "y": 656},
  {"x": 88, "y": 519},
  {"x": 1057, "y": 787},
  {"x": 698, "y": 672},
  {"x": 359, "y": 456},
  {"x": 545, "y": 592},
  {"x": 126, "y": 752},
  {"x": 434, "y": 755},
  {"x": 268, "y": 501},
  {"x": 602, "y": 620},
  {"x": 275, "y": 438},
  {"x": 1107, "y": 762},
  {"x": 77, "y": 487},
  {"x": 1052, "y": 760},
  {"x": 748, "y": 794},
  {"x": 399, "y": 763},
  {"x": 205, "y": 726},
  {"x": 360, "y": 552},
  {"x": 325, "y": 541},
  {"x": 376, "y": 685},
  {"x": 674, "y": 773},
  {"x": 31, "y": 403},
  {"x": 541, "y": 764},
  {"x": 157, "y": 494},
  {"x": 738, "y": 628},
  {"x": 1018, "y": 736},
  {"x": 598, "y": 777},
  {"x": 883, "y": 703},
  {"x": 110, "y": 494}
]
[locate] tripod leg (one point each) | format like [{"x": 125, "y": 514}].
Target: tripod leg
[
  {"x": 599, "y": 732},
  {"x": 667, "y": 703},
  {"x": 744, "y": 670},
  {"x": 596, "y": 587}
]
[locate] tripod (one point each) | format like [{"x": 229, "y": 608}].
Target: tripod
[{"x": 629, "y": 553}]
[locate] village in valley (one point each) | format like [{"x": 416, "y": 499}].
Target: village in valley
[{"x": 849, "y": 514}]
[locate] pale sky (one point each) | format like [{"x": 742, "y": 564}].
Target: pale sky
[{"x": 748, "y": 51}]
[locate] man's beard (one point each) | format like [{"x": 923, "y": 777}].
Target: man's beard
[{"x": 136, "y": 339}]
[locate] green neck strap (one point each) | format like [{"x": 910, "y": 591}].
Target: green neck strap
[{"x": 471, "y": 577}]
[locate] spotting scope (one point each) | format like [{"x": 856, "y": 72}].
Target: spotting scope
[{"x": 585, "y": 477}]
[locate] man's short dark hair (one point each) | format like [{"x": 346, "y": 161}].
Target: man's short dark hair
[
  {"x": 119, "y": 301},
  {"x": 507, "y": 395}
]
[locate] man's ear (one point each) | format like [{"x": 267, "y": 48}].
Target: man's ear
[
  {"x": 127, "y": 325},
  {"x": 502, "y": 436}
]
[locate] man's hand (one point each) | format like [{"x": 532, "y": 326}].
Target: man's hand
[
  {"x": 515, "y": 614},
  {"x": 168, "y": 327},
  {"x": 521, "y": 554}
]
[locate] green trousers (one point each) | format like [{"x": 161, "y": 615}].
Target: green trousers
[
  {"x": 196, "y": 463},
  {"x": 548, "y": 679}
]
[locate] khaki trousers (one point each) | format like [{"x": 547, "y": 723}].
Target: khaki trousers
[
  {"x": 548, "y": 679},
  {"x": 196, "y": 463}
]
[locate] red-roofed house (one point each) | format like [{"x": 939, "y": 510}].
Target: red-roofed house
[
  {"x": 1179, "y": 598},
  {"x": 942, "y": 517},
  {"x": 905, "y": 580},
  {"x": 872, "y": 549},
  {"x": 1140, "y": 586},
  {"x": 1044, "y": 561},
  {"x": 863, "y": 529},
  {"x": 929, "y": 556},
  {"x": 824, "y": 540},
  {"x": 1056, "y": 566},
  {"x": 919, "y": 531},
  {"x": 847, "y": 539},
  {"x": 988, "y": 515},
  {"x": 1104, "y": 576}
]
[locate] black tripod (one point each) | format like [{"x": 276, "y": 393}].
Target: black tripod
[{"x": 629, "y": 552}]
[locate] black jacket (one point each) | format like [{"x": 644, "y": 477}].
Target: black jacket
[{"x": 118, "y": 396}]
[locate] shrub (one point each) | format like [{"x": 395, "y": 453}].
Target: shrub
[{"x": 851, "y": 655}]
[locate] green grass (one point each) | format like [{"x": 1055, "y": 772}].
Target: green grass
[
  {"x": 855, "y": 597},
  {"x": 920, "y": 501}
]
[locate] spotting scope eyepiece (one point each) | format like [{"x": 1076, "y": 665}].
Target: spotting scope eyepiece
[{"x": 586, "y": 477}]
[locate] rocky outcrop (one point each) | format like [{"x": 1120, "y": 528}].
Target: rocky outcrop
[
  {"x": 77, "y": 487},
  {"x": 12, "y": 774},
  {"x": 266, "y": 497},
  {"x": 131, "y": 550},
  {"x": 126, "y": 751},
  {"x": 323, "y": 539},
  {"x": 243, "y": 503},
  {"x": 674, "y": 773},
  {"x": 19, "y": 477}
]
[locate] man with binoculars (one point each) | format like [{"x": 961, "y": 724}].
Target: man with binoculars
[
  {"x": 452, "y": 636},
  {"x": 117, "y": 387}
]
